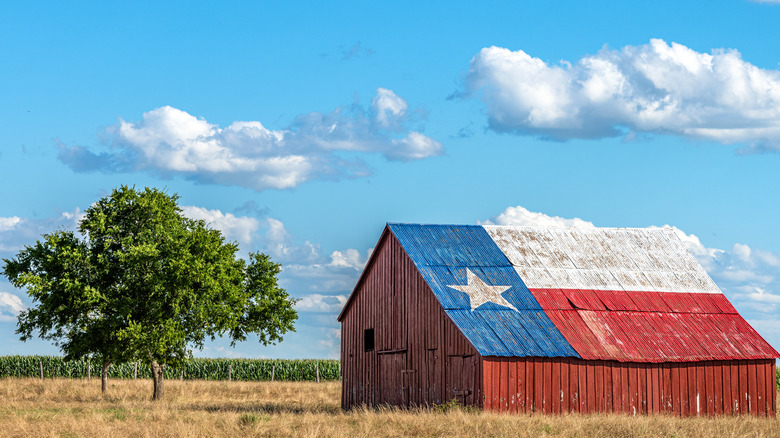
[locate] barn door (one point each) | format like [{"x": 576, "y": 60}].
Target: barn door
[
  {"x": 394, "y": 387},
  {"x": 461, "y": 379}
]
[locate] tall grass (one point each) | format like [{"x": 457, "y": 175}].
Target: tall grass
[
  {"x": 193, "y": 369},
  {"x": 75, "y": 407}
]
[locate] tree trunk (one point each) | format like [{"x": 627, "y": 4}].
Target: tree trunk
[
  {"x": 157, "y": 376},
  {"x": 104, "y": 378}
]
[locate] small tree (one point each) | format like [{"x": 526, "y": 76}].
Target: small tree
[{"x": 146, "y": 283}]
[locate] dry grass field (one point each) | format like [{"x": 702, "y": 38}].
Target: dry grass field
[{"x": 74, "y": 408}]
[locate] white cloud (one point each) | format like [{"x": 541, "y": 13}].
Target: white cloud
[
  {"x": 321, "y": 303},
  {"x": 169, "y": 141},
  {"x": 10, "y": 307},
  {"x": 26, "y": 231},
  {"x": 238, "y": 228},
  {"x": 8, "y": 223},
  {"x": 321, "y": 281},
  {"x": 520, "y": 216},
  {"x": 388, "y": 107},
  {"x": 278, "y": 243},
  {"x": 656, "y": 88},
  {"x": 332, "y": 342}
]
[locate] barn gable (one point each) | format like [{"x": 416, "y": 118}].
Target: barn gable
[{"x": 418, "y": 356}]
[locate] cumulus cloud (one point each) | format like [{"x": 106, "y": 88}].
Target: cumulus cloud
[
  {"x": 8, "y": 223},
  {"x": 16, "y": 232},
  {"x": 10, "y": 307},
  {"x": 322, "y": 281},
  {"x": 321, "y": 303},
  {"x": 520, "y": 216},
  {"x": 388, "y": 107},
  {"x": 236, "y": 228},
  {"x": 654, "y": 88},
  {"x": 168, "y": 141}
]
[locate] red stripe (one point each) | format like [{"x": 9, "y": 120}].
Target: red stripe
[{"x": 633, "y": 326}]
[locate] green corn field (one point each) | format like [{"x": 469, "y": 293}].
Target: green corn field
[{"x": 193, "y": 369}]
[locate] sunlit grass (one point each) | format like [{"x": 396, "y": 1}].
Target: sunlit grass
[{"x": 63, "y": 407}]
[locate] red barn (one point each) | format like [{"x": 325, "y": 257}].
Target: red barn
[{"x": 520, "y": 319}]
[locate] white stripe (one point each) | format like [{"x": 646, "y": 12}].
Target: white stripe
[{"x": 634, "y": 259}]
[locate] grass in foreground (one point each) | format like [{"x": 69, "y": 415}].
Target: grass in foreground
[{"x": 69, "y": 408}]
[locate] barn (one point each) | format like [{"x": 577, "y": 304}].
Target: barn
[{"x": 548, "y": 320}]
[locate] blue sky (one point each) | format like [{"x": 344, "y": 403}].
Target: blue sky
[{"x": 301, "y": 128}]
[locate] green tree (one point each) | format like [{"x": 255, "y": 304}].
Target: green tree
[{"x": 146, "y": 283}]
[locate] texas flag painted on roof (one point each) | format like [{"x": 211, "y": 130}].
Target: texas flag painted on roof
[{"x": 620, "y": 294}]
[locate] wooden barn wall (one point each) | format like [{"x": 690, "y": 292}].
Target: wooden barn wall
[
  {"x": 557, "y": 385},
  {"x": 420, "y": 357}
]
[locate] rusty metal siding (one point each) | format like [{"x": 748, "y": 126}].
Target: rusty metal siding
[
  {"x": 420, "y": 356},
  {"x": 561, "y": 385}
]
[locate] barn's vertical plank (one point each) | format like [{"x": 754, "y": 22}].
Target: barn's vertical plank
[
  {"x": 770, "y": 387},
  {"x": 565, "y": 389},
  {"x": 495, "y": 384},
  {"x": 547, "y": 386},
  {"x": 617, "y": 388},
  {"x": 555, "y": 385},
  {"x": 598, "y": 386},
  {"x": 539, "y": 384},
  {"x": 655, "y": 384},
  {"x": 701, "y": 389},
  {"x": 530, "y": 385},
  {"x": 521, "y": 385},
  {"x": 583, "y": 387},
  {"x": 503, "y": 385},
  {"x": 773, "y": 386},
  {"x": 709, "y": 371},
  {"x": 752, "y": 386},
  {"x": 760, "y": 387},
  {"x": 677, "y": 389},
  {"x": 546, "y": 394},
  {"x": 744, "y": 388},
  {"x": 693, "y": 392},
  {"x": 592, "y": 392},
  {"x": 727, "y": 403},
  {"x": 625, "y": 397},
  {"x": 607, "y": 376},
  {"x": 479, "y": 382},
  {"x": 717, "y": 375},
  {"x": 666, "y": 383},
  {"x": 735, "y": 392},
  {"x": 487, "y": 379},
  {"x": 641, "y": 388},
  {"x": 512, "y": 385},
  {"x": 633, "y": 387},
  {"x": 574, "y": 392}
]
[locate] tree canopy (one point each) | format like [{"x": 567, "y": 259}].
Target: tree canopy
[{"x": 146, "y": 283}]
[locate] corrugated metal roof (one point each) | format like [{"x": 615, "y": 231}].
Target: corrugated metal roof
[
  {"x": 445, "y": 255},
  {"x": 602, "y": 259},
  {"x": 595, "y": 293}
]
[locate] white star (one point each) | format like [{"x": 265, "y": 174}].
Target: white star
[{"x": 480, "y": 292}]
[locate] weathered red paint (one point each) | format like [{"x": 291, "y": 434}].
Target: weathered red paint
[
  {"x": 680, "y": 381},
  {"x": 651, "y": 326},
  {"x": 421, "y": 358}
]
